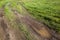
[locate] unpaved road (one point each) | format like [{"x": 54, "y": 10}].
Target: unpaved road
[
  {"x": 4, "y": 29},
  {"x": 37, "y": 29}
]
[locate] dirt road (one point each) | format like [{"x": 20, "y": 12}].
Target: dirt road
[
  {"x": 3, "y": 27},
  {"x": 37, "y": 29}
]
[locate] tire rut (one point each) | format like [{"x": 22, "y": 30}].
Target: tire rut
[
  {"x": 38, "y": 27},
  {"x": 3, "y": 24},
  {"x": 30, "y": 22}
]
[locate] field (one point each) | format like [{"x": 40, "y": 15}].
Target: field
[{"x": 30, "y": 19}]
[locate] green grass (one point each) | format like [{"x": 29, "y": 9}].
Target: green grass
[
  {"x": 47, "y": 11},
  {"x": 11, "y": 18}
]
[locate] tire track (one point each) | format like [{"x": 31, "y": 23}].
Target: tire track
[
  {"x": 38, "y": 27},
  {"x": 8, "y": 33},
  {"x": 33, "y": 24},
  {"x": 4, "y": 25}
]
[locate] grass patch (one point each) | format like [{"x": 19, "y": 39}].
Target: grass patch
[
  {"x": 12, "y": 18},
  {"x": 46, "y": 10}
]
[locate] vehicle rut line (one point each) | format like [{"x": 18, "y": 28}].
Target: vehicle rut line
[
  {"x": 3, "y": 24},
  {"x": 29, "y": 21}
]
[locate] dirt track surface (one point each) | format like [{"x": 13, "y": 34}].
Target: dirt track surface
[
  {"x": 37, "y": 29},
  {"x": 3, "y": 27}
]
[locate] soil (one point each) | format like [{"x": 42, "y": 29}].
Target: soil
[{"x": 37, "y": 29}]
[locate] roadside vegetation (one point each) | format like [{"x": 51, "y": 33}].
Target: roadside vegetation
[
  {"x": 47, "y": 11},
  {"x": 12, "y": 19}
]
